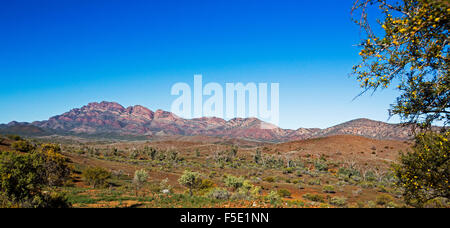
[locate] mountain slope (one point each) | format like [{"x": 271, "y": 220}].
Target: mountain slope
[
  {"x": 111, "y": 118},
  {"x": 368, "y": 128}
]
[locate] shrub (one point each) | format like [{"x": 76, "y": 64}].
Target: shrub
[
  {"x": 320, "y": 165},
  {"x": 371, "y": 204},
  {"x": 165, "y": 186},
  {"x": 383, "y": 200},
  {"x": 55, "y": 167},
  {"x": 257, "y": 157},
  {"x": 314, "y": 197},
  {"x": 206, "y": 184},
  {"x": 234, "y": 182},
  {"x": 437, "y": 203},
  {"x": 255, "y": 191},
  {"x": 288, "y": 170},
  {"x": 367, "y": 184},
  {"x": 348, "y": 172},
  {"x": 22, "y": 146},
  {"x": 269, "y": 179},
  {"x": 273, "y": 198},
  {"x": 22, "y": 182},
  {"x": 381, "y": 188},
  {"x": 151, "y": 152},
  {"x": 219, "y": 194},
  {"x": 423, "y": 173},
  {"x": 96, "y": 176},
  {"x": 14, "y": 137},
  {"x": 329, "y": 189},
  {"x": 140, "y": 178},
  {"x": 338, "y": 201},
  {"x": 191, "y": 180},
  {"x": 197, "y": 153},
  {"x": 314, "y": 182},
  {"x": 284, "y": 193}
]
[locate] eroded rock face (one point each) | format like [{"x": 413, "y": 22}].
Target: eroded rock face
[{"x": 111, "y": 117}]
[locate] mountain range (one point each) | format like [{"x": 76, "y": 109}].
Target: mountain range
[{"x": 114, "y": 120}]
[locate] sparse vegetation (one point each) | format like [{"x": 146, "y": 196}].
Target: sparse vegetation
[
  {"x": 275, "y": 181},
  {"x": 96, "y": 176}
]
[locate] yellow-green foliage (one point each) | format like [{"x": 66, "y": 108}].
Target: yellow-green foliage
[
  {"x": 413, "y": 51},
  {"x": 234, "y": 182},
  {"x": 191, "y": 180},
  {"x": 96, "y": 176},
  {"x": 22, "y": 146},
  {"x": 284, "y": 193},
  {"x": 22, "y": 180},
  {"x": 424, "y": 172},
  {"x": 55, "y": 166}
]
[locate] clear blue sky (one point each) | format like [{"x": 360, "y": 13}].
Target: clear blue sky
[{"x": 58, "y": 55}]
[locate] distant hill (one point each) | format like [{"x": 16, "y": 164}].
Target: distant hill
[
  {"x": 24, "y": 129},
  {"x": 110, "y": 119}
]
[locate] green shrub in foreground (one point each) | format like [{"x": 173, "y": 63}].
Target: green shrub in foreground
[
  {"x": 96, "y": 176},
  {"x": 338, "y": 201}
]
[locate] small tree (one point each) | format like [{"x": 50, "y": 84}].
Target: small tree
[
  {"x": 56, "y": 169},
  {"x": 140, "y": 178},
  {"x": 153, "y": 153},
  {"x": 410, "y": 52},
  {"x": 424, "y": 172},
  {"x": 191, "y": 180},
  {"x": 96, "y": 176},
  {"x": 257, "y": 157}
]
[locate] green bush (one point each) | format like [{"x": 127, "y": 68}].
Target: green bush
[
  {"x": 338, "y": 201},
  {"x": 321, "y": 165},
  {"x": 23, "y": 181},
  {"x": 314, "y": 197},
  {"x": 329, "y": 189},
  {"x": 96, "y": 176},
  {"x": 384, "y": 200},
  {"x": 314, "y": 182},
  {"x": 56, "y": 169},
  {"x": 273, "y": 198},
  {"x": 22, "y": 146},
  {"x": 140, "y": 178},
  {"x": 438, "y": 203},
  {"x": 14, "y": 137},
  {"x": 165, "y": 186},
  {"x": 288, "y": 170},
  {"x": 423, "y": 173},
  {"x": 207, "y": 184},
  {"x": 269, "y": 179},
  {"x": 234, "y": 182},
  {"x": 367, "y": 184},
  {"x": 284, "y": 193},
  {"x": 219, "y": 194}
]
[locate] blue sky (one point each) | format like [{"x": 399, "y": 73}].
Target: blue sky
[{"x": 58, "y": 55}]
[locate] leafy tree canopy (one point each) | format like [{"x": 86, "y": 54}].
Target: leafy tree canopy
[{"x": 411, "y": 51}]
